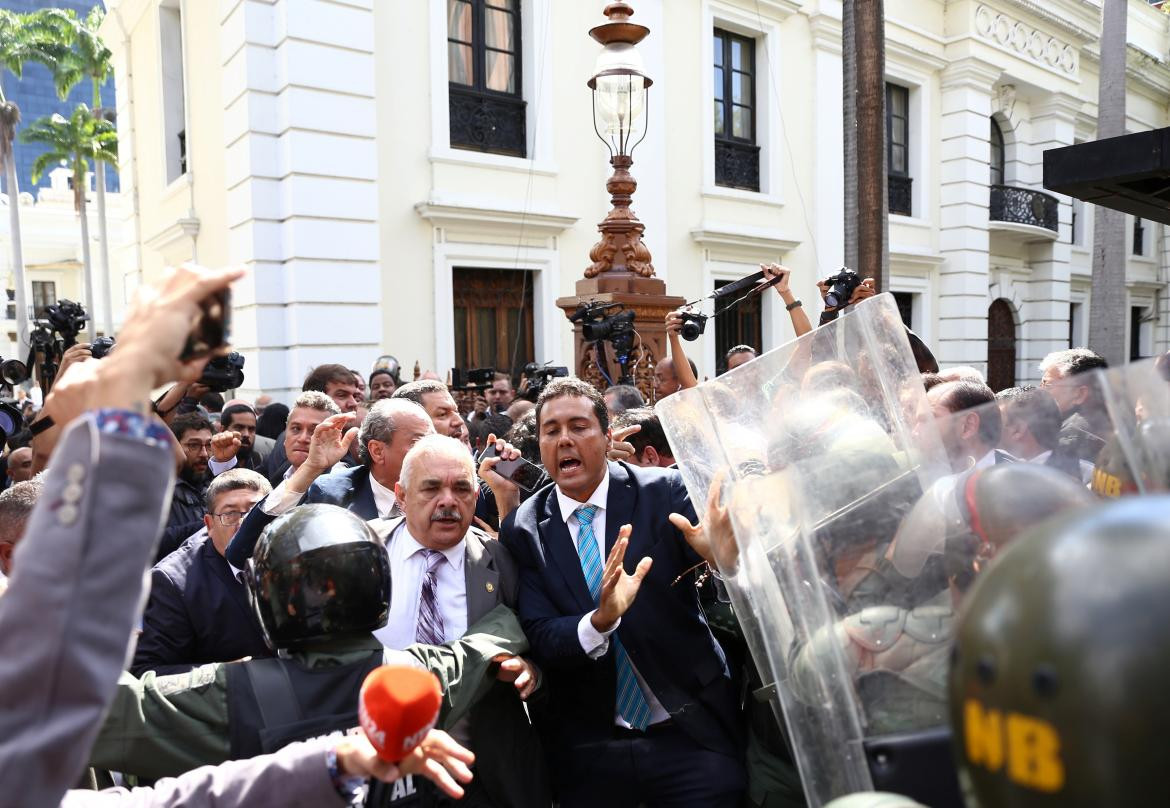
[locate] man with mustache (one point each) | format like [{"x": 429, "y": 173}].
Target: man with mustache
[{"x": 447, "y": 574}]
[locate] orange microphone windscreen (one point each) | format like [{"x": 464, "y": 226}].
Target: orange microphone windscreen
[{"x": 397, "y": 707}]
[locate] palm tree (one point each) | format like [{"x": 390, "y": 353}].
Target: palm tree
[
  {"x": 89, "y": 57},
  {"x": 23, "y": 38},
  {"x": 75, "y": 141}
]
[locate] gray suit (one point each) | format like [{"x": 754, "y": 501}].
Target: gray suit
[
  {"x": 65, "y": 625},
  {"x": 509, "y": 761}
]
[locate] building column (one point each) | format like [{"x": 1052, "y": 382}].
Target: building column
[
  {"x": 301, "y": 171},
  {"x": 963, "y": 203},
  {"x": 828, "y": 146},
  {"x": 1046, "y": 312}
]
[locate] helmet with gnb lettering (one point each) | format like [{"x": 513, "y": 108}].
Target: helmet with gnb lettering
[{"x": 1058, "y": 690}]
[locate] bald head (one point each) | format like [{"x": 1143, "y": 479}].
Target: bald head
[{"x": 20, "y": 464}]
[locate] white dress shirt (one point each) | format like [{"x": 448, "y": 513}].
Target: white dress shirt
[
  {"x": 407, "y": 566},
  {"x": 384, "y": 498},
  {"x": 594, "y": 642}
]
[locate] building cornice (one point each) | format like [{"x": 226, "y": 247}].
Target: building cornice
[
  {"x": 187, "y": 227},
  {"x": 750, "y": 244},
  {"x": 1062, "y": 22},
  {"x": 911, "y": 56},
  {"x": 453, "y": 213}
]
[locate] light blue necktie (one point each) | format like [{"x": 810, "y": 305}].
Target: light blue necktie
[{"x": 631, "y": 702}]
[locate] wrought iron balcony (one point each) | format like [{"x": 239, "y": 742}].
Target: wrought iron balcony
[
  {"x": 737, "y": 165},
  {"x": 488, "y": 122},
  {"x": 1023, "y": 206},
  {"x": 898, "y": 189}
]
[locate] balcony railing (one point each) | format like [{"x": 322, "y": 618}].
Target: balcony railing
[{"x": 1023, "y": 206}]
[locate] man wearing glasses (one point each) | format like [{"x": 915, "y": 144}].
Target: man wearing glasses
[
  {"x": 193, "y": 433},
  {"x": 198, "y": 610}
]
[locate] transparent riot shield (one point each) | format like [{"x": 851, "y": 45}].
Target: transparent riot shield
[
  {"x": 1135, "y": 458},
  {"x": 859, "y": 511}
]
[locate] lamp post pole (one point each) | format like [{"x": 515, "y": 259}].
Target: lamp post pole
[{"x": 621, "y": 269}]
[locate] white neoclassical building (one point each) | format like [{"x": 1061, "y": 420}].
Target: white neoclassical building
[{"x": 421, "y": 177}]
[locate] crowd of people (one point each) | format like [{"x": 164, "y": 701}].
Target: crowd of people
[{"x": 291, "y": 550}]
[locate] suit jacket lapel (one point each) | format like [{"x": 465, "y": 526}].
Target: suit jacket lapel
[
  {"x": 220, "y": 566},
  {"x": 561, "y": 552},
  {"x": 481, "y": 578},
  {"x": 619, "y": 505},
  {"x": 364, "y": 505}
]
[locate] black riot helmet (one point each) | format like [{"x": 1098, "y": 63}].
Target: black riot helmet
[
  {"x": 318, "y": 573},
  {"x": 1058, "y": 687}
]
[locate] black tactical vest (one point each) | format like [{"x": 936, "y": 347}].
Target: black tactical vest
[{"x": 273, "y": 702}]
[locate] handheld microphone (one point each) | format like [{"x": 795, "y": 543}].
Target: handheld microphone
[{"x": 397, "y": 707}]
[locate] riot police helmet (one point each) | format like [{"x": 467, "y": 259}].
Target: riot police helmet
[
  {"x": 1057, "y": 687},
  {"x": 318, "y": 572}
]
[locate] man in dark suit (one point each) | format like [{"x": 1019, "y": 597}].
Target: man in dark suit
[
  {"x": 641, "y": 707},
  {"x": 447, "y": 576},
  {"x": 198, "y": 610},
  {"x": 390, "y": 428}
]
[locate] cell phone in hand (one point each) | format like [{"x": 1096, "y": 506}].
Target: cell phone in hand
[
  {"x": 214, "y": 328},
  {"x": 519, "y": 471}
]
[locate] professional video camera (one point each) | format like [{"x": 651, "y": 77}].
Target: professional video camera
[
  {"x": 600, "y": 323},
  {"x": 841, "y": 287},
  {"x": 12, "y": 372},
  {"x": 538, "y": 376},
  {"x": 475, "y": 379},
  {"x": 67, "y": 319},
  {"x": 224, "y": 373}
]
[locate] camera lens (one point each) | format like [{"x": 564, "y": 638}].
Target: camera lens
[
  {"x": 690, "y": 331},
  {"x": 13, "y": 372}
]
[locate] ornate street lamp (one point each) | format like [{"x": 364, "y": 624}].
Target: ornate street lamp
[
  {"x": 620, "y": 89},
  {"x": 620, "y": 283}
]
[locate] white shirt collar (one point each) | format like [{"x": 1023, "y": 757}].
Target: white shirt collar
[
  {"x": 454, "y": 553},
  {"x": 987, "y": 461},
  {"x": 1041, "y": 458},
  {"x": 384, "y": 498},
  {"x": 598, "y": 497}
]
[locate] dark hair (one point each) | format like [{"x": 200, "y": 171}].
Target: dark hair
[
  {"x": 523, "y": 436},
  {"x": 212, "y": 401},
  {"x": 225, "y": 417},
  {"x": 651, "y": 433},
  {"x": 738, "y": 349},
  {"x": 572, "y": 386},
  {"x": 625, "y": 397},
  {"x": 931, "y": 380},
  {"x": 189, "y": 422},
  {"x": 1036, "y": 407},
  {"x": 322, "y": 375},
  {"x": 234, "y": 480},
  {"x": 378, "y": 372},
  {"x": 967, "y": 395},
  {"x": 272, "y": 421},
  {"x": 414, "y": 391}
]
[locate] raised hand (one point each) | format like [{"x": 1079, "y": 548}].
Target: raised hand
[
  {"x": 331, "y": 440},
  {"x": 439, "y": 758},
  {"x": 618, "y": 589},
  {"x": 712, "y": 537},
  {"x": 507, "y": 493},
  {"x": 225, "y": 445},
  {"x": 619, "y": 447}
]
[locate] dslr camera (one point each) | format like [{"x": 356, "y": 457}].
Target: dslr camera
[
  {"x": 101, "y": 347},
  {"x": 694, "y": 324},
  {"x": 224, "y": 373},
  {"x": 841, "y": 287}
]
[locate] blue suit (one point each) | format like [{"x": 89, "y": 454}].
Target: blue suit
[
  {"x": 664, "y": 632},
  {"x": 197, "y": 613},
  {"x": 349, "y": 489}
]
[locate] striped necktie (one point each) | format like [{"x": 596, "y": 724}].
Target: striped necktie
[
  {"x": 429, "y": 630},
  {"x": 631, "y": 702}
]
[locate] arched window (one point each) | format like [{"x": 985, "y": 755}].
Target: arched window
[{"x": 996, "y": 153}]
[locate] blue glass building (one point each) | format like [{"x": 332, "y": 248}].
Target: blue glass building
[{"x": 37, "y": 97}]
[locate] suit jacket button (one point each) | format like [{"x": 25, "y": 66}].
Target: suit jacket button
[
  {"x": 75, "y": 473},
  {"x": 490, "y": 586},
  {"x": 67, "y": 515},
  {"x": 72, "y": 493}
]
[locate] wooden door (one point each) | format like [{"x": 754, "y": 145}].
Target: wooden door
[
  {"x": 1001, "y": 346},
  {"x": 493, "y": 319}
]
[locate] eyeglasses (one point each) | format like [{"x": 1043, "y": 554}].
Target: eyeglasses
[
  {"x": 194, "y": 446},
  {"x": 229, "y": 518}
]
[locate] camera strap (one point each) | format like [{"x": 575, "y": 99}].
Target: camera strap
[{"x": 751, "y": 283}]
